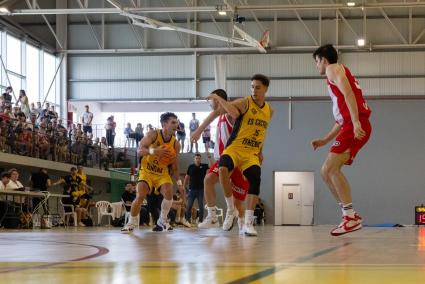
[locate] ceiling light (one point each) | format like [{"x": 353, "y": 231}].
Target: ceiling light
[
  {"x": 4, "y": 10},
  {"x": 361, "y": 42},
  {"x": 222, "y": 13},
  {"x": 351, "y": 4},
  {"x": 165, "y": 28}
]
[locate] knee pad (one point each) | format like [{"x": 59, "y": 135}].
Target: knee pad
[
  {"x": 253, "y": 175},
  {"x": 226, "y": 161}
]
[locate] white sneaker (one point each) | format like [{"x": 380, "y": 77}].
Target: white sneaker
[
  {"x": 348, "y": 225},
  {"x": 162, "y": 226},
  {"x": 249, "y": 229},
  {"x": 230, "y": 218},
  {"x": 209, "y": 222},
  {"x": 128, "y": 228},
  {"x": 81, "y": 224},
  {"x": 241, "y": 226},
  {"x": 186, "y": 223}
]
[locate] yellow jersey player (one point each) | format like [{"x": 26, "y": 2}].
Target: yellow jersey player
[
  {"x": 160, "y": 160},
  {"x": 244, "y": 147}
]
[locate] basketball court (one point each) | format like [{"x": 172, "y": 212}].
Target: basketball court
[{"x": 279, "y": 255}]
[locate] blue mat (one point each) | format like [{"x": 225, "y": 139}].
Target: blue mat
[{"x": 384, "y": 225}]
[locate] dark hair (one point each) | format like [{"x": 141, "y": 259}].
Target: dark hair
[
  {"x": 327, "y": 51},
  {"x": 5, "y": 174},
  {"x": 22, "y": 92},
  {"x": 262, "y": 78},
  {"x": 166, "y": 116},
  {"x": 221, "y": 93},
  {"x": 198, "y": 155},
  {"x": 9, "y": 88},
  {"x": 73, "y": 169}
]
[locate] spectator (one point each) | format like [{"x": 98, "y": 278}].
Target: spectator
[
  {"x": 23, "y": 101},
  {"x": 40, "y": 181},
  {"x": 77, "y": 151},
  {"x": 193, "y": 125},
  {"x": 181, "y": 135},
  {"x": 7, "y": 97},
  {"x": 259, "y": 211},
  {"x": 128, "y": 133},
  {"x": 14, "y": 183},
  {"x": 139, "y": 133},
  {"x": 39, "y": 112},
  {"x": 52, "y": 114},
  {"x": 110, "y": 130},
  {"x": 150, "y": 127},
  {"x": 128, "y": 196},
  {"x": 104, "y": 153},
  {"x": 5, "y": 179},
  {"x": 206, "y": 137},
  {"x": 44, "y": 112},
  {"x": 87, "y": 121},
  {"x": 33, "y": 110},
  {"x": 177, "y": 209},
  {"x": 195, "y": 178}
]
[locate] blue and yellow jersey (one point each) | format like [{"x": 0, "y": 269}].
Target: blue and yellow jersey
[
  {"x": 150, "y": 163},
  {"x": 250, "y": 128}
]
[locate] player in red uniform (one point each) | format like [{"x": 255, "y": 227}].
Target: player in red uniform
[
  {"x": 351, "y": 132},
  {"x": 239, "y": 184}
]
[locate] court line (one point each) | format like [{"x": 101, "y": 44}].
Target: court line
[
  {"x": 100, "y": 251},
  {"x": 273, "y": 270}
]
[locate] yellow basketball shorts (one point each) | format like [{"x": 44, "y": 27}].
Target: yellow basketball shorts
[
  {"x": 154, "y": 181},
  {"x": 242, "y": 158}
]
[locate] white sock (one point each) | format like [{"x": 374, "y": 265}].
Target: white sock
[
  {"x": 347, "y": 210},
  {"x": 132, "y": 220},
  {"x": 249, "y": 216},
  {"x": 212, "y": 212},
  {"x": 230, "y": 204},
  {"x": 165, "y": 208}
]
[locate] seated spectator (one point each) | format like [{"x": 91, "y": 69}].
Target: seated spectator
[
  {"x": 177, "y": 209},
  {"x": 62, "y": 147},
  {"x": 24, "y": 142},
  {"x": 259, "y": 211},
  {"x": 77, "y": 151},
  {"x": 42, "y": 142},
  {"x": 128, "y": 196},
  {"x": 15, "y": 184},
  {"x": 5, "y": 179}
]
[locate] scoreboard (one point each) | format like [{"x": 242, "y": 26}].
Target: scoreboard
[{"x": 420, "y": 215}]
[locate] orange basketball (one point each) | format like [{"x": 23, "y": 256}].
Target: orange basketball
[{"x": 170, "y": 155}]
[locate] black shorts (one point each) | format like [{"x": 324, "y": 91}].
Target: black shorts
[
  {"x": 206, "y": 139},
  {"x": 87, "y": 129}
]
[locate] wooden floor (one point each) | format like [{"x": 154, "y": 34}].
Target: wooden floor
[{"x": 277, "y": 255}]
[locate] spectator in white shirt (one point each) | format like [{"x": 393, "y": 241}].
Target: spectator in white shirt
[
  {"x": 87, "y": 121},
  {"x": 14, "y": 183}
]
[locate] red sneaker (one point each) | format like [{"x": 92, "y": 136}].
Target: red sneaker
[
  {"x": 358, "y": 217},
  {"x": 347, "y": 225}
]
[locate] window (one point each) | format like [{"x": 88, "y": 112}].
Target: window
[
  {"x": 33, "y": 74},
  {"x": 13, "y": 54},
  {"x": 16, "y": 83},
  {"x": 49, "y": 74}
]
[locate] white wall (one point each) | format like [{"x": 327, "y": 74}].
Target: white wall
[{"x": 306, "y": 182}]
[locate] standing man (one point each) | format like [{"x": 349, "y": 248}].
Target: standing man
[
  {"x": 181, "y": 135},
  {"x": 244, "y": 147},
  {"x": 87, "y": 121},
  {"x": 193, "y": 125},
  {"x": 351, "y": 132},
  {"x": 154, "y": 173},
  {"x": 195, "y": 175}
]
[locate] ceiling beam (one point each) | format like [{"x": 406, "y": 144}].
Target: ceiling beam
[{"x": 185, "y": 9}]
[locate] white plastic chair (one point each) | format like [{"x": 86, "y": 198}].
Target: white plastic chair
[
  {"x": 103, "y": 208},
  {"x": 67, "y": 215},
  {"x": 127, "y": 213},
  {"x": 219, "y": 213}
]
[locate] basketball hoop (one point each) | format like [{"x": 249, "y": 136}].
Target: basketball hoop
[{"x": 265, "y": 39}]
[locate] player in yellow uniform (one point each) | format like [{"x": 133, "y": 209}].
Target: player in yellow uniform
[
  {"x": 244, "y": 147},
  {"x": 155, "y": 174}
]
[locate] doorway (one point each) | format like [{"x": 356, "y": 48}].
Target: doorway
[{"x": 294, "y": 198}]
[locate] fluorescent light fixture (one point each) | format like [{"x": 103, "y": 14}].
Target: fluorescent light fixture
[
  {"x": 351, "y": 4},
  {"x": 4, "y": 10},
  {"x": 222, "y": 13},
  {"x": 164, "y": 28},
  {"x": 361, "y": 42}
]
